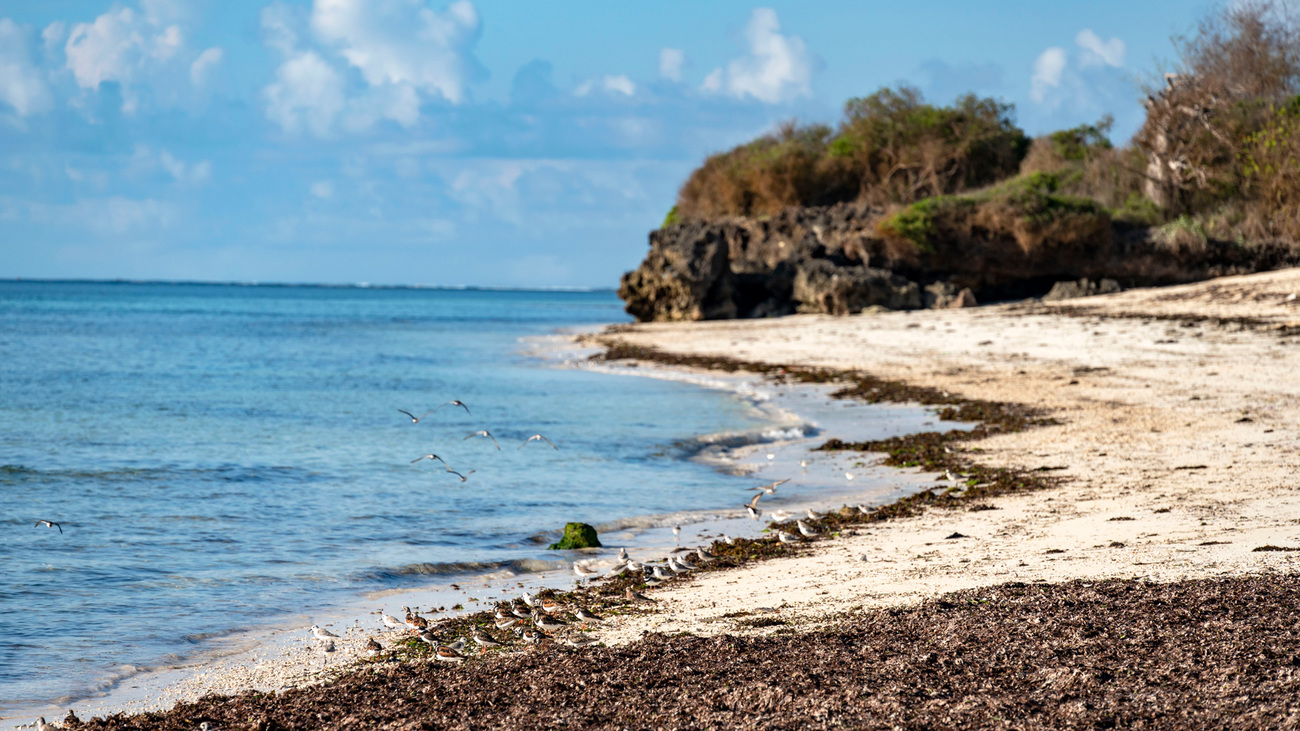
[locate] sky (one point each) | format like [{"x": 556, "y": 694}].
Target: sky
[{"x": 481, "y": 143}]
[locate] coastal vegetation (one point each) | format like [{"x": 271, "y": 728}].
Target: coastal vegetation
[
  {"x": 905, "y": 203},
  {"x": 1219, "y": 151}
]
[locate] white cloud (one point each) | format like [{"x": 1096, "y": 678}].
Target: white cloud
[
  {"x": 776, "y": 69},
  {"x": 206, "y": 61},
  {"x": 307, "y": 94},
  {"x": 1048, "y": 68},
  {"x": 21, "y": 84},
  {"x": 671, "y": 61},
  {"x": 195, "y": 174},
  {"x": 620, "y": 84},
  {"x": 1098, "y": 52},
  {"x": 712, "y": 82},
  {"x": 322, "y": 189},
  {"x": 402, "y": 42}
]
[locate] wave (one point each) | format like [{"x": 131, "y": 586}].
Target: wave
[
  {"x": 220, "y": 473},
  {"x": 456, "y": 568}
]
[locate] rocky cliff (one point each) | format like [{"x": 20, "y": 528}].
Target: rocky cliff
[{"x": 845, "y": 258}]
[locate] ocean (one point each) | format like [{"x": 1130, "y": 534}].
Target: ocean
[
  {"x": 218, "y": 456},
  {"x": 222, "y": 460}
]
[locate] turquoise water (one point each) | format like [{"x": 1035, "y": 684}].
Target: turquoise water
[{"x": 220, "y": 456}]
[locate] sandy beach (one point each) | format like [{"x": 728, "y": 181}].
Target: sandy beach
[{"x": 1169, "y": 440}]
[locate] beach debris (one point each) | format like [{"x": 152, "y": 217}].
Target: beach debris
[{"x": 955, "y": 535}]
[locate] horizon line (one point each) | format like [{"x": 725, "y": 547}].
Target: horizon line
[{"x": 322, "y": 285}]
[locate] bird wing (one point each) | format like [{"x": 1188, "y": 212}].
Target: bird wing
[
  {"x": 754, "y": 503},
  {"x": 488, "y": 434},
  {"x": 417, "y": 459},
  {"x": 56, "y": 525},
  {"x": 413, "y": 416}
]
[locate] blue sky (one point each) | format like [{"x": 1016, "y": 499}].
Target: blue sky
[{"x": 470, "y": 143}]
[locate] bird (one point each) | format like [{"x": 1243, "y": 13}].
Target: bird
[
  {"x": 637, "y": 596},
  {"x": 704, "y": 554},
  {"x": 390, "y": 621},
  {"x": 446, "y": 654},
  {"x": 728, "y": 540},
  {"x": 321, "y": 633},
  {"x": 864, "y": 510},
  {"x": 328, "y": 648},
  {"x": 787, "y": 537},
  {"x": 464, "y": 477},
  {"x": 770, "y": 487},
  {"x": 584, "y": 572},
  {"x": 415, "y": 419},
  {"x": 43, "y": 725},
  {"x": 537, "y": 437},
  {"x": 49, "y": 524},
  {"x": 428, "y": 637},
  {"x": 531, "y": 636},
  {"x": 459, "y": 644},
  {"x": 547, "y": 623},
  {"x": 580, "y": 641},
  {"x": 587, "y": 616},
  {"x": 484, "y": 640},
  {"x": 506, "y": 623},
  {"x": 456, "y": 403},
  {"x": 677, "y": 531},
  {"x": 815, "y": 516},
  {"x": 685, "y": 562},
  {"x": 415, "y": 620},
  {"x": 622, "y": 554},
  {"x": 618, "y": 569},
  {"x": 675, "y": 567},
  {"x": 484, "y": 433},
  {"x": 550, "y": 606},
  {"x": 781, "y": 516},
  {"x": 806, "y": 530},
  {"x": 431, "y": 456},
  {"x": 529, "y": 599},
  {"x": 661, "y": 574},
  {"x": 753, "y": 503},
  {"x": 372, "y": 646},
  {"x": 753, "y": 511},
  {"x": 520, "y": 612}
]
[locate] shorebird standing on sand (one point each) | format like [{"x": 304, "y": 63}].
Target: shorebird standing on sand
[
  {"x": 637, "y": 596},
  {"x": 321, "y": 633},
  {"x": 584, "y": 572},
  {"x": 446, "y": 654},
  {"x": 787, "y": 537},
  {"x": 806, "y": 530},
  {"x": 484, "y": 433},
  {"x": 390, "y": 621}
]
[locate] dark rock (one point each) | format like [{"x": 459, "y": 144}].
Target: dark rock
[
  {"x": 965, "y": 298},
  {"x": 822, "y": 287},
  {"x": 1082, "y": 288},
  {"x": 576, "y": 535}
]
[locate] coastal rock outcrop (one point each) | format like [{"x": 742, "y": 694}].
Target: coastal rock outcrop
[{"x": 845, "y": 258}]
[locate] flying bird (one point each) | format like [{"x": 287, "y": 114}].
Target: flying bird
[
  {"x": 48, "y": 524},
  {"x": 537, "y": 437},
  {"x": 770, "y": 487},
  {"x": 483, "y": 433},
  {"x": 430, "y": 456},
  {"x": 463, "y": 477},
  {"x": 415, "y": 419},
  {"x": 456, "y": 403},
  {"x": 753, "y": 503}
]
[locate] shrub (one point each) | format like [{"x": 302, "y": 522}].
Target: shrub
[{"x": 891, "y": 147}]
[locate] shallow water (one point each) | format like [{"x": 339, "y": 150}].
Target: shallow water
[{"x": 219, "y": 456}]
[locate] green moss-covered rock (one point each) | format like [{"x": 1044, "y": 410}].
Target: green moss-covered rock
[{"x": 576, "y": 535}]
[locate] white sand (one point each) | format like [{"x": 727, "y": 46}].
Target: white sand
[{"x": 1180, "y": 441}]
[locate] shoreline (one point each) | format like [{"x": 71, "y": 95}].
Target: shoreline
[
  {"x": 1174, "y": 505},
  {"x": 280, "y": 655}
]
